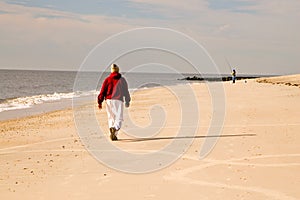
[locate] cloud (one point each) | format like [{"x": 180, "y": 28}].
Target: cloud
[
  {"x": 224, "y": 27},
  {"x": 41, "y": 37},
  {"x": 112, "y": 8},
  {"x": 62, "y": 34},
  {"x": 175, "y": 5},
  {"x": 242, "y": 6},
  {"x": 287, "y": 8}
]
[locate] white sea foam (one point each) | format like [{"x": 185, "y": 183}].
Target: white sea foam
[{"x": 27, "y": 102}]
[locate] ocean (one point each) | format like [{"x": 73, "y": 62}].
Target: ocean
[
  {"x": 23, "y": 90},
  {"x": 28, "y": 92}
]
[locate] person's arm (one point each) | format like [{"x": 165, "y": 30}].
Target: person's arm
[
  {"x": 102, "y": 94},
  {"x": 126, "y": 93}
]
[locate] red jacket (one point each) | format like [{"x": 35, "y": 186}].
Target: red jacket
[{"x": 114, "y": 87}]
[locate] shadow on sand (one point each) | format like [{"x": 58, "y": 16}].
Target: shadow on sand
[{"x": 186, "y": 137}]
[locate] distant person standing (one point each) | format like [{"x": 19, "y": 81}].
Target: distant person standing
[
  {"x": 233, "y": 76},
  {"x": 114, "y": 90}
]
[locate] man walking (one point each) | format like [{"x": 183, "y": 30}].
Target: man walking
[{"x": 114, "y": 90}]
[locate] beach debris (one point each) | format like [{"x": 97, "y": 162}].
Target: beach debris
[{"x": 217, "y": 78}]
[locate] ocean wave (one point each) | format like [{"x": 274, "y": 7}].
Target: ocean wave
[{"x": 27, "y": 102}]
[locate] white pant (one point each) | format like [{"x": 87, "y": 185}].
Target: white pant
[{"x": 114, "y": 109}]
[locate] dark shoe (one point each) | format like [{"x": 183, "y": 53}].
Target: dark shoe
[{"x": 113, "y": 136}]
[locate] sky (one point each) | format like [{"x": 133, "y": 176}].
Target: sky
[{"x": 255, "y": 36}]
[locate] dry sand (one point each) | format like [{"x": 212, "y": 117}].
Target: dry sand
[
  {"x": 257, "y": 155},
  {"x": 291, "y": 80}
]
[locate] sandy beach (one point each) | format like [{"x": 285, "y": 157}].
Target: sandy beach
[{"x": 257, "y": 154}]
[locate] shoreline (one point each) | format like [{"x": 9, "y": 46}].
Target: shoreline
[
  {"x": 66, "y": 103},
  {"x": 27, "y": 100}
]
